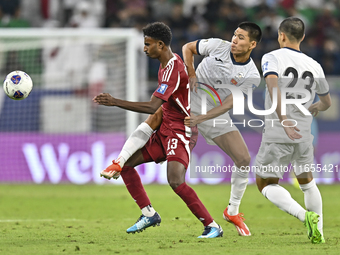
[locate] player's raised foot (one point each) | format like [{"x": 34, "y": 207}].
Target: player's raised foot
[
  {"x": 212, "y": 232},
  {"x": 144, "y": 222},
  {"x": 238, "y": 222},
  {"x": 311, "y": 223},
  {"x": 112, "y": 171}
]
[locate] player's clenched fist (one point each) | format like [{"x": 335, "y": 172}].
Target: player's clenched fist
[{"x": 105, "y": 99}]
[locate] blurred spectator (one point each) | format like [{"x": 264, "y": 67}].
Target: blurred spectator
[
  {"x": 84, "y": 16},
  {"x": 271, "y": 22},
  {"x": 132, "y": 11},
  {"x": 159, "y": 9},
  {"x": 9, "y": 7},
  {"x": 228, "y": 18},
  {"x": 191, "y": 7},
  {"x": 112, "y": 7},
  {"x": 31, "y": 11},
  {"x": 190, "y": 20},
  {"x": 10, "y": 11},
  {"x": 304, "y": 4},
  {"x": 248, "y": 3}
]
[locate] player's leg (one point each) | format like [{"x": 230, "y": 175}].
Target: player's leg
[
  {"x": 234, "y": 146},
  {"x": 140, "y": 136},
  {"x": 135, "y": 141},
  {"x": 272, "y": 155},
  {"x": 176, "y": 178},
  {"x": 135, "y": 187},
  {"x": 280, "y": 197},
  {"x": 269, "y": 157},
  {"x": 312, "y": 196}
]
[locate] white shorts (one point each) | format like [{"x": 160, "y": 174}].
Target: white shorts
[
  {"x": 213, "y": 128},
  {"x": 273, "y": 159}
]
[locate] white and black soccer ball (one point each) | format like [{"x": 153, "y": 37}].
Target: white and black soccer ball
[{"x": 18, "y": 85}]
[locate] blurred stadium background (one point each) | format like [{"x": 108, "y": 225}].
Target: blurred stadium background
[{"x": 75, "y": 49}]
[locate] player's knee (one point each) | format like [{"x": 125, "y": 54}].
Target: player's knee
[
  {"x": 243, "y": 161},
  {"x": 260, "y": 183},
  {"x": 175, "y": 183},
  {"x": 131, "y": 162}
]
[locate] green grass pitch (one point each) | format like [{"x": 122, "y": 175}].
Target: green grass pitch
[{"x": 91, "y": 219}]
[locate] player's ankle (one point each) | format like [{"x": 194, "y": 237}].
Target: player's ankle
[
  {"x": 148, "y": 211},
  {"x": 213, "y": 224},
  {"x": 120, "y": 161},
  {"x": 233, "y": 209}
]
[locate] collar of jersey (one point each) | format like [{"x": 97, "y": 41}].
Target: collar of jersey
[
  {"x": 170, "y": 60},
  {"x": 292, "y": 49},
  {"x": 238, "y": 63}
]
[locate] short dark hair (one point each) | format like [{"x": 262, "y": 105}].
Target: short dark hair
[
  {"x": 254, "y": 31},
  {"x": 293, "y": 27},
  {"x": 158, "y": 31}
]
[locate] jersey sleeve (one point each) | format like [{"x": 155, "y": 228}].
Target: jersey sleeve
[
  {"x": 322, "y": 87},
  {"x": 206, "y": 47},
  {"x": 269, "y": 65},
  {"x": 168, "y": 83}
]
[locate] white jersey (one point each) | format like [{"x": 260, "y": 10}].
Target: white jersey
[
  {"x": 294, "y": 69},
  {"x": 219, "y": 68}
]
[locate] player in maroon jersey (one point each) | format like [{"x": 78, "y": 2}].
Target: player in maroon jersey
[{"x": 170, "y": 142}]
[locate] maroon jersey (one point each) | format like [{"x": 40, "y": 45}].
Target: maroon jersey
[
  {"x": 173, "y": 88},
  {"x": 172, "y": 141}
]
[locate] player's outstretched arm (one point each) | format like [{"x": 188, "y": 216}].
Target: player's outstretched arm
[
  {"x": 272, "y": 82},
  {"x": 189, "y": 50},
  {"x": 322, "y": 105},
  {"x": 193, "y": 120},
  {"x": 143, "y": 107}
]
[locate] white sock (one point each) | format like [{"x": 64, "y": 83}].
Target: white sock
[
  {"x": 239, "y": 181},
  {"x": 213, "y": 224},
  {"x": 148, "y": 211},
  {"x": 136, "y": 140},
  {"x": 313, "y": 200},
  {"x": 280, "y": 197}
]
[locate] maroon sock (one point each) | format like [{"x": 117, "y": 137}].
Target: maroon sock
[
  {"x": 195, "y": 205},
  {"x": 134, "y": 185}
]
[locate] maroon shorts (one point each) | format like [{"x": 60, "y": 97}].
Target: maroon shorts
[{"x": 168, "y": 145}]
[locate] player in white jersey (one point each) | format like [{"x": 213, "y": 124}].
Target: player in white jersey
[
  {"x": 225, "y": 63},
  {"x": 287, "y": 137}
]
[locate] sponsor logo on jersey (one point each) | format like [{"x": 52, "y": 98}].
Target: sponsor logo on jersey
[
  {"x": 218, "y": 59},
  {"x": 172, "y": 152},
  {"x": 162, "y": 89}
]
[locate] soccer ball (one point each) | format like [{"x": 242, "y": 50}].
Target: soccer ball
[{"x": 18, "y": 85}]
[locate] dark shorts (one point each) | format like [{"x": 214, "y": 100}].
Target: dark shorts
[{"x": 170, "y": 146}]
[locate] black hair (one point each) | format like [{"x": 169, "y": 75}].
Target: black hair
[
  {"x": 158, "y": 31},
  {"x": 254, "y": 31},
  {"x": 293, "y": 27}
]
